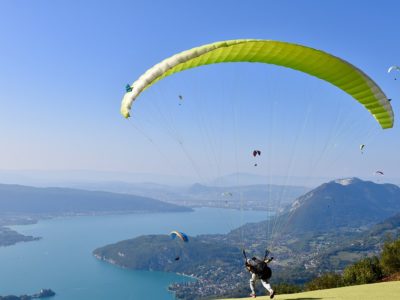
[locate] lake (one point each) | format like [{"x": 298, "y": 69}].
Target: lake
[{"x": 62, "y": 260}]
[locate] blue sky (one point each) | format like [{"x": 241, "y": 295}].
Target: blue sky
[{"x": 64, "y": 65}]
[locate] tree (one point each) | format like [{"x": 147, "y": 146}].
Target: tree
[
  {"x": 367, "y": 270},
  {"x": 390, "y": 258},
  {"x": 287, "y": 288},
  {"x": 325, "y": 281}
]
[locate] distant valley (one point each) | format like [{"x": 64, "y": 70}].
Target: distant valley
[
  {"x": 250, "y": 196},
  {"x": 246, "y": 191}
]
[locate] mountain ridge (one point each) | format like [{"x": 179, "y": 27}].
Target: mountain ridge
[
  {"x": 347, "y": 202},
  {"x": 21, "y": 199}
]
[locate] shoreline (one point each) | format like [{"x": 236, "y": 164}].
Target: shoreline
[
  {"x": 12, "y": 221},
  {"x": 112, "y": 262}
]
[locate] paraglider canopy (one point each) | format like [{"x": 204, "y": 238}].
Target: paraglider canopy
[
  {"x": 305, "y": 59},
  {"x": 256, "y": 152},
  {"x": 392, "y": 68},
  {"x": 182, "y": 236},
  {"x": 227, "y": 194}
]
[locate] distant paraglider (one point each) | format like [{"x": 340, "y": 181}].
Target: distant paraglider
[
  {"x": 379, "y": 174},
  {"x": 226, "y": 194},
  {"x": 362, "y": 148},
  {"x": 255, "y": 154},
  {"x": 180, "y": 99},
  {"x": 181, "y": 236},
  {"x": 394, "y": 68}
]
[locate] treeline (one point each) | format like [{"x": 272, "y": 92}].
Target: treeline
[
  {"x": 10, "y": 237},
  {"x": 368, "y": 270}
]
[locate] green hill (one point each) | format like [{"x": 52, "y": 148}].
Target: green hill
[
  {"x": 22, "y": 200},
  {"x": 386, "y": 291},
  {"x": 349, "y": 202}
]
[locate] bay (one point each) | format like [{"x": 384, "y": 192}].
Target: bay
[{"x": 62, "y": 260}]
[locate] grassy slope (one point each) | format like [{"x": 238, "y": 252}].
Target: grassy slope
[{"x": 376, "y": 291}]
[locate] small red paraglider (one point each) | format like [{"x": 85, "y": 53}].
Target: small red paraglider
[{"x": 255, "y": 153}]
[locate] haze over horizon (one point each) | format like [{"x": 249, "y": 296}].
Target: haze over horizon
[{"x": 83, "y": 178}]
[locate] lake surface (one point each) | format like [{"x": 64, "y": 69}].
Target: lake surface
[{"x": 62, "y": 260}]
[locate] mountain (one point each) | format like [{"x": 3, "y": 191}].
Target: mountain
[
  {"x": 347, "y": 202},
  {"x": 250, "y": 191},
  {"x": 17, "y": 199},
  {"x": 256, "y": 196},
  {"x": 146, "y": 189}
]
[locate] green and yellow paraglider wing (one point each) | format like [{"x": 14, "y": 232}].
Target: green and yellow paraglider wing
[{"x": 305, "y": 59}]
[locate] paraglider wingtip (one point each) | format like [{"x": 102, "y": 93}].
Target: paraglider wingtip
[{"x": 128, "y": 88}]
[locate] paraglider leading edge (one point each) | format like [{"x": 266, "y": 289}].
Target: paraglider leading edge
[{"x": 305, "y": 59}]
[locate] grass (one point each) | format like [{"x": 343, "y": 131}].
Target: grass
[{"x": 376, "y": 291}]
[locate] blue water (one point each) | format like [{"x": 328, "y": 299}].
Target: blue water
[{"x": 63, "y": 259}]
